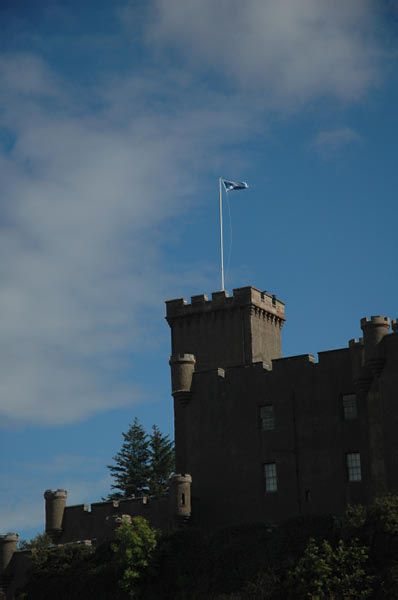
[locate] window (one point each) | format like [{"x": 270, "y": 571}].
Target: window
[
  {"x": 354, "y": 466},
  {"x": 350, "y": 407},
  {"x": 267, "y": 417},
  {"x": 271, "y": 484}
]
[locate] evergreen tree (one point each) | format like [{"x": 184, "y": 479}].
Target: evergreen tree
[
  {"x": 143, "y": 465},
  {"x": 162, "y": 461},
  {"x": 131, "y": 470}
]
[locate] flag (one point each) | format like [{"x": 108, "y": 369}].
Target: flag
[{"x": 234, "y": 185}]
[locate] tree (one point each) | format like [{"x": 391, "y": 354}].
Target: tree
[
  {"x": 161, "y": 462},
  {"x": 144, "y": 463},
  {"x": 40, "y": 547},
  {"x": 131, "y": 471},
  {"x": 134, "y": 547},
  {"x": 327, "y": 573}
]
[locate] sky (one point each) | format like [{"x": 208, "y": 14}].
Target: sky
[{"x": 116, "y": 120}]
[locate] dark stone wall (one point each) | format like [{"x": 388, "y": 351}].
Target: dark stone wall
[
  {"x": 80, "y": 523},
  {"x": 225, "y": 448}
]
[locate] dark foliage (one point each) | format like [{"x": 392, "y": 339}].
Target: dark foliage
[
  {"x": 73, "y": 571},
  {"x": 253, "y": 562}
]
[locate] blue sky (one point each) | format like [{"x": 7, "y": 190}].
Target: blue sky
[{"x": 116, "y": 120}]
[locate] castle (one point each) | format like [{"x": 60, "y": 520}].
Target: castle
[{"x": 258, "y": 437}]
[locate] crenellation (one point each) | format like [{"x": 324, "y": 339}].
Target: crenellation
[
  {"x": 328, "y": 355},
  {"x": 175, "y": 304},
  {"x": 292, "y": 362},
  {"x": 227, "y": 330},
  {"x": 376, "y": 320},
  {"x": 219, "y": 296},
  {"x": 77, "y": 508},
  {"x": 353, "y": 342},
  {"x": 221, "y": 300},
  {"x": 199, "y": 299},
  {"x": 102, "y": 508}
]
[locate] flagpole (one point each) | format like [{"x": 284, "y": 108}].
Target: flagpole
[{"x": 221, "y": 236}]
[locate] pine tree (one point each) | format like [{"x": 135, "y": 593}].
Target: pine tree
[
  {"x": 162, "y": 461},
  {"x": 131, "y": 471},
  {"x": 143, "y": 465}
]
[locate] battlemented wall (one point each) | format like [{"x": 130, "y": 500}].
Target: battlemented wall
[
  {"x": 227, "y": 331},
  {"x": 66, "y": 524},
  {"x": 217, "y": 405}
]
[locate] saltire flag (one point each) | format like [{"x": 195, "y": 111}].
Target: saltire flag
[{"x": 234, "y": 185}]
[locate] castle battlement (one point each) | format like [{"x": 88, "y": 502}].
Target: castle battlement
[
  {"x": 267, "y": 305},
  {"x": 227, "y": 330}
]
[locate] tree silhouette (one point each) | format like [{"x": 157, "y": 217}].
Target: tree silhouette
[
  {"x": 161, "y": 462},
  {"x": 143, "y": 464}
]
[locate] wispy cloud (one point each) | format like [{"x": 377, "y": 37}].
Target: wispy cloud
[
  {"x": 335, "y": 138},
  {"x": 292, "y": 51},
  {"x": 81, "y": 234},
  {"x": 83, "y": 210}
]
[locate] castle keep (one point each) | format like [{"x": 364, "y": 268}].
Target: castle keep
[{"x": 258, "y": 437}]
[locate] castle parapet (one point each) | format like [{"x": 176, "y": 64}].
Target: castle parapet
[
  {"x": 243, "y": 296},
  {"x": 290, "y": 363},
  {"x": 227, "y": 331}
]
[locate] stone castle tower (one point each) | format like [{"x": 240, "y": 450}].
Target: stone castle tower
[
  {"x": 225, "y": 332},
  {"x": 220, "y": 333}
]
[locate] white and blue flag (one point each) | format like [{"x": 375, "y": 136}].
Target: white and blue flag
[{"x": 234, "y": 185}]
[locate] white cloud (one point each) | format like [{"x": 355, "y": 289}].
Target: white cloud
[
  {"x": 335, "y": 138},
  {"x": 85, "y": 193},
  {"x": 84, "y": 197},
  {"x": 291, "y": 51}
]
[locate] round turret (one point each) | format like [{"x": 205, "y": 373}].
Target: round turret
[
  {"x": 374, "y": 330},
  {"x": 361, "y": 375},
  {"x": 180, "y": 497},
  {"x": 8, "y": 545},
  {"x": 55, "y": 506},
  {"x": 182, "y": 369},
  {"x": 356, "y": 354}
]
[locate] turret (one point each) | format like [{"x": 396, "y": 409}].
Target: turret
[
  {"x": 8, "y": 545},
  {"x": 361, "y": 375},
  {"x": 180, "y": 498},
  {"x": 182, "y": 369},
  {"x": 227, "y": 331},
  {"x": 55, "y": 506},
  {"x": 374, "y": 330}
]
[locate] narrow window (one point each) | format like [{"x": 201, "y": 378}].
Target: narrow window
[
  {"x": 182, "y": 499},
  {"x": 354, "y": 466},
  {"x": 271, "y": 484},
  {"x": 267, "y": 417},
  {"x": 350, "y": 407}
]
